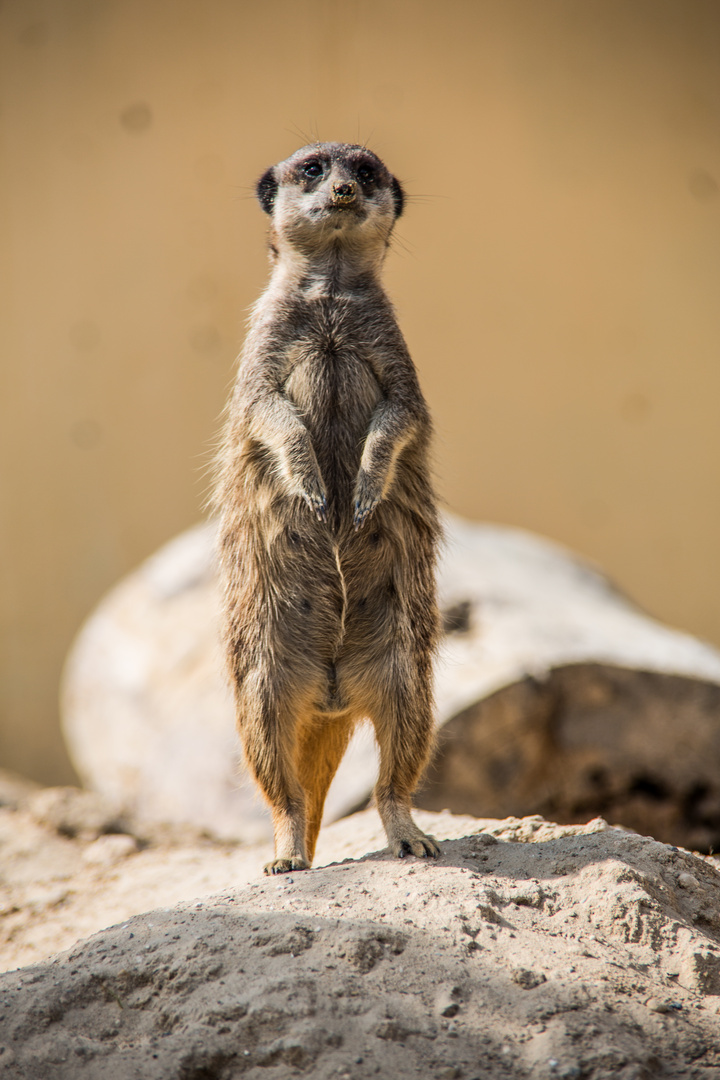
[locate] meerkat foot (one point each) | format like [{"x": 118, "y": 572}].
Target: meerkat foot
[
  {"x": 285, "y": 866},
  {"x": 425, "y": 848},
  {"x": 416, "y": 843}
]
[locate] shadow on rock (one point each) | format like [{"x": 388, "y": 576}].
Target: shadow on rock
[{"x": 528, "y": 950}]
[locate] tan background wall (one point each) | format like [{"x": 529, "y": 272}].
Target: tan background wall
[{"x": 557, "y": 275}]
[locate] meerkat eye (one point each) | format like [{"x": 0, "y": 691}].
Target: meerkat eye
[
  {"x": 365, "y": 174},
  {"x": 312, "y": 169}
]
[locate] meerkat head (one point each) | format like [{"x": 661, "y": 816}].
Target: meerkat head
[{"x": 331, "y": 196}]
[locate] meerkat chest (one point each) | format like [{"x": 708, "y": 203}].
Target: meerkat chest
[{"x": 332, "y": 381}]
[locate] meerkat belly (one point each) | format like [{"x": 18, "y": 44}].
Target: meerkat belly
[{"x": 335, "y": 392}]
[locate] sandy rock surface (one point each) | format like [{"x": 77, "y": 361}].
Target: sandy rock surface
[{"x": 528, "y": 950}]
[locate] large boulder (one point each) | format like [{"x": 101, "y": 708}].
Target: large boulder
[
  {"x": 561, "y": 697},
  {"x": 555, "y": 694},
  {"x": 147, "y": 711}
]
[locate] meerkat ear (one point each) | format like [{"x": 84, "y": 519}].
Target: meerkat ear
[
  {"x": 266, "y": 190},
  {"x": 398, "y": 197}
]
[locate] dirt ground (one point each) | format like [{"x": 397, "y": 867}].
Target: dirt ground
[{"x": 527, "y": 950}]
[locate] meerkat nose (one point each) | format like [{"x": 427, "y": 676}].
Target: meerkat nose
[{"x": 344, "y": 192}]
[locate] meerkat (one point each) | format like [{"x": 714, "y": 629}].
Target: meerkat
[{"x": 328, "y": 522}]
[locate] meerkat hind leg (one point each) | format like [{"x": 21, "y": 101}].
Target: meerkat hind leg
[
  {"x": 403, "y": 754},
  {"x": 290, "y": 850},
  {"x": 267, "y": 732}
]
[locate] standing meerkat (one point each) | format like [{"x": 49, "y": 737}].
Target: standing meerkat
[{"x": 329, "y": 527}]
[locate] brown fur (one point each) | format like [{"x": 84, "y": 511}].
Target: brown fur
[{"x": 328, "y": 522}]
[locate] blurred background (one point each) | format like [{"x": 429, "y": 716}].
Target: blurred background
[{"x": 557, "y": 276}]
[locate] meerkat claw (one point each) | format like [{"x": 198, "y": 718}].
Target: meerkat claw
[
  {"x": 432, "y": 848},
  {"x": 285, "y": 866},
  {"x": 318, "y": 505},
  {"x": 362, "y": 513},
  {"x": 421, "y": 846}
]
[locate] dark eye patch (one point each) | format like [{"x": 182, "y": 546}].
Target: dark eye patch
[
  {"x": 365, "y": 172},
  {"x": 312, "y": 169},
  {"x": 266, "y": 190}
]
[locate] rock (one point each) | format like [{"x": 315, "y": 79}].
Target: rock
[
  {"x": 360, "y": 967},
  {"x": 147, "y": 712},
  {"x": 447, "y": 1000},
  {"x": 74, "y": 813},
  {"x": 14, "y": 788},
  {"x": 558, "y": 696},
  {"x": 663, "y": 1005},
  {"x": 528, "y": 979},
  {"x": 701, "y": 970},
  {"x": 108, "y": 850},
  {"x": 555, "y": 696}
]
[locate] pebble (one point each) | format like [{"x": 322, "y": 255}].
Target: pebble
[
  {"x": 528, "y": 980},
  {"x": 659, "y": 1005},
  {"x": 110, "y": 849}
]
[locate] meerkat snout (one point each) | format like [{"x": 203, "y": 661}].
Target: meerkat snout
[{"x": 344, "y": 192}]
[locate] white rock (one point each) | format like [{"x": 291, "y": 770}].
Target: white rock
[
  {"x": 107, "y": 850},
  {"x": 148, "y": 714}
]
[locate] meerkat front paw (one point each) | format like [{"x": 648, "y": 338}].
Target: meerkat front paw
[
  {"x": 366, "y": 499},
  {"x": 285, "y": 866}
]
